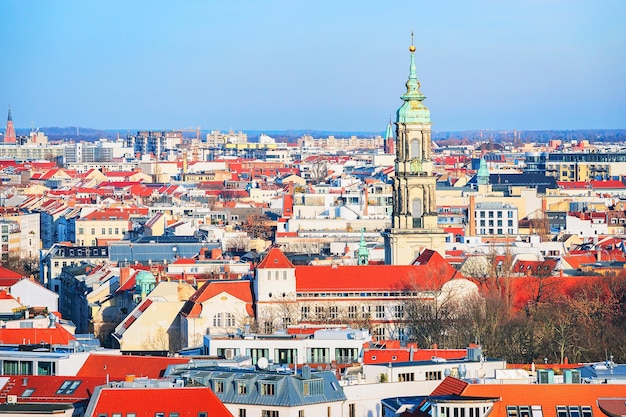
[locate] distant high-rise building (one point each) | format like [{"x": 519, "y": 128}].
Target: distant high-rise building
[
  {"x": 414, "y": 220},
  {"x": 9, "y": 134},
  {"x": 389, "y": 142}
]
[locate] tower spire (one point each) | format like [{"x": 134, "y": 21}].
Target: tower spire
[{"x": 9, "y": 133}]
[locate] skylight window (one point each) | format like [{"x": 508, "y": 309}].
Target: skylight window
[
  {"x": 68, "y": 387},
  {"x": 28, "y": 392}
]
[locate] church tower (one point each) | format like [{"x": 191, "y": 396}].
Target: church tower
[
  {"x": 414, "y": 218},
  {"x": 9, "y": 134}
]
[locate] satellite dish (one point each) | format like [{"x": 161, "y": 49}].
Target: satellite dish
[{"x": 262, "y": 363}]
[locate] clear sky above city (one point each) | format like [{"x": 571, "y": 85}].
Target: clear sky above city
[{"x": 323, "y": 65}]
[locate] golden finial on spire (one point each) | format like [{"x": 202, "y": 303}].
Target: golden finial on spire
[{"x": 412, "y": 47}]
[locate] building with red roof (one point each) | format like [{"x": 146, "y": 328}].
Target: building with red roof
[
  {"x": 118, "y": 367},
  {"x": 142, "y": 397},
  {"x": 375, "y": 294},
  {"x": 457, "y": 397},
  {"x": 217, "y": 307},
  {"x": 28, "y": 395}
]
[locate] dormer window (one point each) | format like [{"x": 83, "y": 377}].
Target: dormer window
[{"x": 267, "y": 388}]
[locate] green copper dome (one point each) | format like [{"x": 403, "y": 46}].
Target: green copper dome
[{"x": 413, "y": 110}]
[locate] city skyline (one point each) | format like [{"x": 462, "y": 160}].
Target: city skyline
[{"x": 322, "y": 66}]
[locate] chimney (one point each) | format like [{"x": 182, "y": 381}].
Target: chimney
[
  {"x": 124, "y": 274},
  {"x": 470, "y": 216}
]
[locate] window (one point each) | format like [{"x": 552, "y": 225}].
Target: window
[
  {"x": 406, "y": 377},
  {"x": 304, "y": 312},
  {"x": 203, "y": 414},
  {"x": 352, "y": 312},
  {"x": 242, "y": 387},
  {"x": 241, "y": 412},
  {"x": 173, "y": 414},
  {"x": 269, "y": 413},
  {"x": 268, "y": 388},
  {"x": 27, "y": 392},
  {"x": 313, "y": 387},
  {"x": 301, "y": 413},
  {"x": 380, "y": 312},
  {"x": 256, "y": 354},
  {"x": 334, "y": 312},
  {"x": 351, "y": 410},
  {"x": 433, "y": 375},
  {"x": 586, "y": 411},
  {"x": 218, "y": 386},
  {"x": 318, "y": 355},
  {"x": 116, "y": 414},
  {"x": 104, "y": 232},
  {"x": 398, "y": 312},
  {"x": 68, "y": 387}
]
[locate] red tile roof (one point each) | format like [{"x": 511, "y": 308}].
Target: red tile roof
[
  {"x": 119, "y": 366},
  {"x": 188, "y": 401},
  {"x": 46, "y": 388},
  {"x": 430, "y": 270},
  {"x": 548, "y": 396},
  {"x": 372, "y": 356},
  {"x": 275, "y": 258},
  {"x": 6, "y": 273},
  {"x": 53, "y": 335},
  {"x": 237, "y": 288}
]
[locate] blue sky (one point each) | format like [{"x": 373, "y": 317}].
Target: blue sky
[{"x": 325, "y": 65}]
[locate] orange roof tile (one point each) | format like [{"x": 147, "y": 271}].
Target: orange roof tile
[
  {"x": 275, "y": 258},
  {"x": 548, "y": 396},
  {"x": 52, "y": 335},
  {"x": 46, "y": 388},
  {"x": 186, "y": 401},
  {"x": 118, "y": 366}
]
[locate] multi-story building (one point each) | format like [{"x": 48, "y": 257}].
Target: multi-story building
[
  {"x": 216, "y": 139},
  {"x": 287, "y": 294},
  {"x": 577, "y": 166},
  {"x": 268, "y": 393},
  {"x": 157, "y": 144},
  {"x": 29, "y": 231},
  {"x": 53, "y": 260},
  {"x": 105, "y": 225},
  {"x": 496, "y": 219},
  {"x": 10, "y": 239}
]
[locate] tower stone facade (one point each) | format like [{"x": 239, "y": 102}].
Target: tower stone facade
[
  {"x": 414, "y": 218},
  {"x": 9, "y": 134}
]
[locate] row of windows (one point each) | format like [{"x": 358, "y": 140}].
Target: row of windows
[
  {"x": 494, "y": 213},
  {"x": 332, "y": 312},
  {"x": 81, "y": 231},
  {"x": 224, "y": 320},
  {"x": 357, "y": 294},
  {"x": 492, "y": 231},
  {"x": 561, "y": 411},
  {"x": 157, "y": 414},
  {"x": 492, "y": 223}
]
